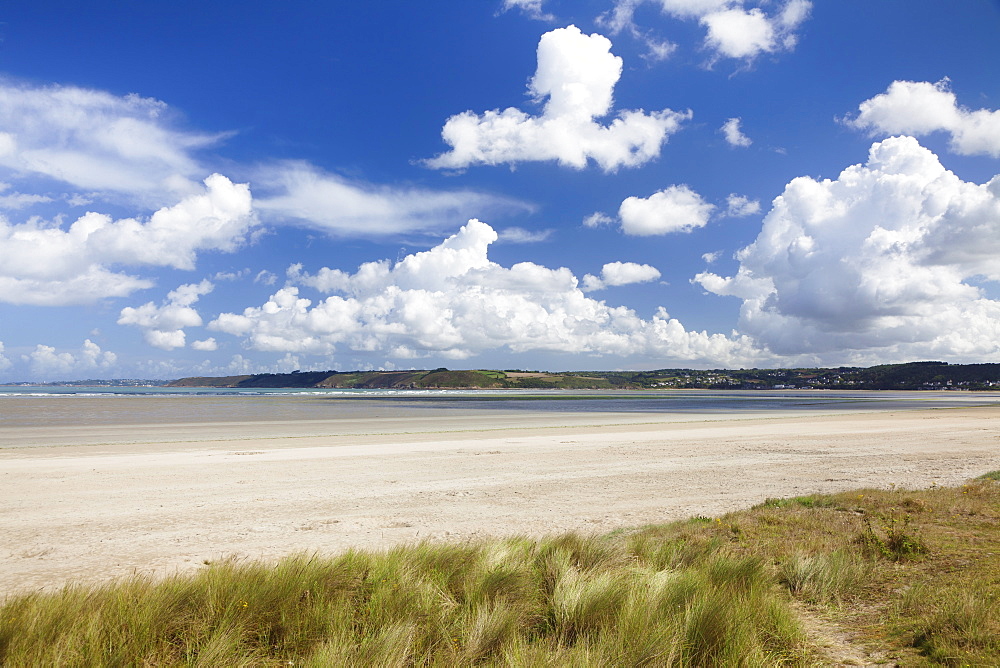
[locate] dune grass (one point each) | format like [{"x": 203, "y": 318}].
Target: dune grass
[
  {"x": 563, "y": 601},
  {"x": 915, "y": 573}
]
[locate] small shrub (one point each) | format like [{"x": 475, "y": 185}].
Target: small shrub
[{"x": 896, "y": 541}]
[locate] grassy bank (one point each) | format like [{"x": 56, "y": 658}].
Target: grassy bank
[{"x": 915, "y": 574}]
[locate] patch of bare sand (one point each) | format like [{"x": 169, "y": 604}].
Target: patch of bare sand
[
  {"x": 837, "y": 646},
  {"x": 160, "y": 498}
]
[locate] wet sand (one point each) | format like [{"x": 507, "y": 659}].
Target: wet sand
[{"x": 90, "y": 502}]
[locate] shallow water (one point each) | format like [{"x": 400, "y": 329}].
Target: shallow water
[{"x": 26, "y": 407}]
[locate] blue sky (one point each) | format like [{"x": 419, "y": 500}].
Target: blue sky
[{"x": 219, "y": 188}]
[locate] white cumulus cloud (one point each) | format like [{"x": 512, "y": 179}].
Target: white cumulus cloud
[
  {"x": 47, "y": 265},
  {"x": 4, "y": 361},
  {"x": 453, "y": 301},
  {"x": 738, "y": 206},
  {"x": 576, "y": 76},
  {"x": 886, "y": 262},
  {"x": 163, "y": 326},
  {"x": 739, "y": 33},
  {"x": 732, "y": 28},
  {"x": 206, "y": 345},
  {"x": 674, "y": 209},
  {"x": 265, "y": 277},
  {"x": 48, "y": 362},
  {"x": 920, "y": 108},
  {"x": 733, "y": 134},
  {"x": 620, "y": 273},
  {"x": 597, "y": 219},
  {"x": 711, "y": 258}
]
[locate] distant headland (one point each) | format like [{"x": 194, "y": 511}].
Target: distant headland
[{"x": 910, "y": 376}]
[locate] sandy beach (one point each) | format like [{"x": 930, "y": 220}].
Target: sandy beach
[{"x": 89, "y": 502}]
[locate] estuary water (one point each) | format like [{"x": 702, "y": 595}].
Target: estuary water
[{"x": 35, "y": 406}]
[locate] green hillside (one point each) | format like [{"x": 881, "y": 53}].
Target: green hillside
[{"x": 910, "y": 376}]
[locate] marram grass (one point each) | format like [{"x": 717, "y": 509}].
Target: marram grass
[
  {"x": 568, "y": 601},
  {"x": 904, "y": 570}
]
